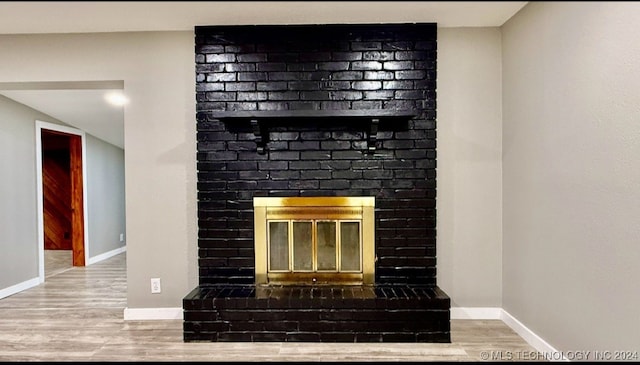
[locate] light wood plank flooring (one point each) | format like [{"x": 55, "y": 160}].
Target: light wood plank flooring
[
  {"x": 77, "y": 315},
  {"x": 57, "y": 261}
]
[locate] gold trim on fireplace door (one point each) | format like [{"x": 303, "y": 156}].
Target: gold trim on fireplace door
[{"x": 313, "y": 209}]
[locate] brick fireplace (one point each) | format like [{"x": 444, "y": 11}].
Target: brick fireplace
[{"x": 317, "y": 111}]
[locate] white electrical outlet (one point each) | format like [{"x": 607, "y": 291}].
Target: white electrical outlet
[
  {"x": 155, "y": 286},
  {"x": 121, "y": 237}
]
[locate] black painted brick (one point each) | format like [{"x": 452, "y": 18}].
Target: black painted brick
[
  {"x": 349, "y": 67},
  {"x": 394, "y": 313}
]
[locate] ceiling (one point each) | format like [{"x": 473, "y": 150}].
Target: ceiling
[{"x": 85, "y": 108}]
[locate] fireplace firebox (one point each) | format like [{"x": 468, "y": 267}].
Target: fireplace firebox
[
  {"x": 314, "y": 240},
  {"x": 316, "y": 158}
]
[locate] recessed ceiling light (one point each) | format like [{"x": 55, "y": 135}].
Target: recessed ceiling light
[{"x": 116, "y": 98}]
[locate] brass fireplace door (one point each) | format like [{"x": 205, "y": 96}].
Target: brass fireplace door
[{"x": 314, "y": 240}]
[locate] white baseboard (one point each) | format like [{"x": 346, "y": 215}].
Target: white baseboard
[
  {"x": 19, "y": 287},
  {"x": 106, "y": 255},
  {"x": 532, "y": 339},
  {"x": 475, "y": 313},
  {"x": 143, "y": 314},
  {"x": 528, "y": 335}
]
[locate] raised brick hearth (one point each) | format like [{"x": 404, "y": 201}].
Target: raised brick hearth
[
  {"x": 317, "y": 110},
  {"x": 385, "y": 313}
]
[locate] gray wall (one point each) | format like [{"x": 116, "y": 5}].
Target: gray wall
[
  {"x": 469, "y": 244},
  {"x": 18, "y": 211},
  {"x": 18, "y": 220},
  {"x": 105, "y": 196},
  {"x": 571, "y": 173},
  {"x": 158, "y": 70}
]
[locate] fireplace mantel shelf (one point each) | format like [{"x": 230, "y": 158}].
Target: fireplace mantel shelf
[
  {"x": 288, "y": 114},
  {"x": 258, "y": 119}
]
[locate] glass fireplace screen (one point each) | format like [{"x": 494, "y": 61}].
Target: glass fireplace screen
[
  {"x": 314, "y": 240},
  {"x": 311, "y": 246}
]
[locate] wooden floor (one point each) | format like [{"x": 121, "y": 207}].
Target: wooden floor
[
  {"x": 57, "y": 261},
  {"x": 77, "y": 315}
]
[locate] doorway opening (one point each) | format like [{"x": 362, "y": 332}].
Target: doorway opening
[{"x": 60, "y": 155}]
